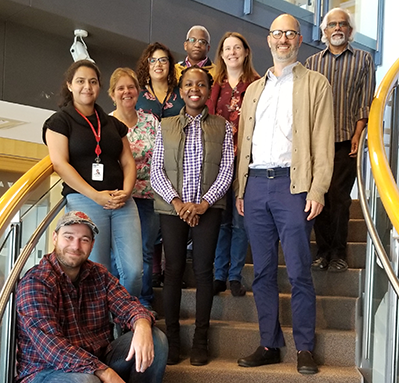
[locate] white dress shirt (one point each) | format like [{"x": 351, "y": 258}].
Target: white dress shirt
[{"x": 272, "y": 137}]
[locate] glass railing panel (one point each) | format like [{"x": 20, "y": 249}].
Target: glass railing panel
[
  {"x": 383, "y": 302},
  {"x": 32, "y": 213},
  {"x": 379, "y": 361},
  {"x": 13, "y": 241},
  {"x": 6, "y": 336}
]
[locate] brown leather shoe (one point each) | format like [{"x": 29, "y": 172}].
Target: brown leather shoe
[
  {"x": 260, "y": 357},
  {"x": 305, "y": 363}
]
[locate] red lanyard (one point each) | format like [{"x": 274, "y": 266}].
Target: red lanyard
[{"x": 96, "y": 135}]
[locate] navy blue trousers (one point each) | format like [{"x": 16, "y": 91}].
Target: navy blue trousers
[{"x": 271, "y": 214}]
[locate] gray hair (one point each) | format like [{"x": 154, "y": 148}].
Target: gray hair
[
  {"x": 350, "y": 20},
  {"x": 204, "y": 29}
]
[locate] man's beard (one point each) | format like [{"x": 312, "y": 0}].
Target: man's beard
[
  {"x": 338, "y": 42},
  {"x": 284, "y": 57},
  {"x": 63, "y": 259}
]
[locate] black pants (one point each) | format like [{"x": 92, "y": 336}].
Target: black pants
[
  {"x": 331, "y": 226},
  {"x": 205, "y": 235}
]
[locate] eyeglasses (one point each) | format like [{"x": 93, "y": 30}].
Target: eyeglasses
[
  {"x": 342, "y": 24},
  {"x": 290, "y": 35},
  {"x": 193, "y": 40},
  {"x": 161, "y": 60}
]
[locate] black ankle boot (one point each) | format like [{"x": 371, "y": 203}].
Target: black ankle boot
[
  {"x": 199, "y": 355},
  {"x": 199, "y": 352},
  {"x": 173, "y": 355},
  {"x": 174, "y": 348}
]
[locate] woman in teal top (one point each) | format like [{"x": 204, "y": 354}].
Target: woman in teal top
[{"x": 157, "y": 79}]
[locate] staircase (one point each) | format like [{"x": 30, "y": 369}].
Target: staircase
[{"x": 234, "y": 325}]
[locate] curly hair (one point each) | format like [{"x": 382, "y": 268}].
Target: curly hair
[
  {"x": 249, "y": 73},
  {"x": 65, "y": 94},
  {"x": 142, "y": 68}
]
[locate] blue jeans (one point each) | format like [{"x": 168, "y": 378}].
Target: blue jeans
[
  {"x": 232, "y": 243},
  {"x": 150, "y": 223},
  {"x": 118, "y": 246},
  {"x": 116, "y": 360}
]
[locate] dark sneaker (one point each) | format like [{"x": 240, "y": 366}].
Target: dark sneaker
[
  {"x": 219, "y": 286},
  {"x": 237, "y": 289}
]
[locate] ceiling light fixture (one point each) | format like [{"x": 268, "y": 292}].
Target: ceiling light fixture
[{"x": 78, "y": 48}]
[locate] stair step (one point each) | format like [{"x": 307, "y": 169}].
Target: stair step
[
  {"x": 232, "y": 340},
  {"x": 229, "y": 308},
  {"x": 357, "y": 231},
  {"x": 330, "y": 284},
  {"x": 355, "y": 210},
  {"x": 355, "y": 254},
  {"x": 227, "y": 371}
]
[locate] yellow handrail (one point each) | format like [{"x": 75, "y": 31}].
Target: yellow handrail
[
  {"x": 13, "y": 198},
  {"x": 386, "y": 184}
]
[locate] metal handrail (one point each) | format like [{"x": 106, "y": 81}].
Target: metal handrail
[
  {"x": 380, "y": 250},
  {"x": 13, "y": 277},
  {"x": 385, "y": 182},
  {"x": 14, "y": 197}
]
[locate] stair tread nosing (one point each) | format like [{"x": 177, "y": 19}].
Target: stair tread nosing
[
  {"x": 226, "y": 307},
  {"x": 232, "y": 340},
  {"x": 227, "y": 371}
]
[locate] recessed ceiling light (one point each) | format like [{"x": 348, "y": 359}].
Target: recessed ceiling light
[{"x": 7, "y": 123}]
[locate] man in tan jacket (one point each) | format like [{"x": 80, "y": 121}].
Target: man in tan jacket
[{"x": 285, "y": 153}]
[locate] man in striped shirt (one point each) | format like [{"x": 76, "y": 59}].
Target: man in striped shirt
[{"x": 351, "y": 73}]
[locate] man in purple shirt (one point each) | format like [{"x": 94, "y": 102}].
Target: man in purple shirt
[{"x": 64, "y": 306}]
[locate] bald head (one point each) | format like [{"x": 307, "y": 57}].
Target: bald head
[
  {"x": 287, "y": 20},
  {"x": 284, "y": 40}
]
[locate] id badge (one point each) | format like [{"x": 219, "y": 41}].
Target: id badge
[{"x": 97, "y": 172}]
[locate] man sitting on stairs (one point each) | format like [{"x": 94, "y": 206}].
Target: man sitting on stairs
[
  {"x": 64, "y": 307},
  {"x": 285, "y": 154}
]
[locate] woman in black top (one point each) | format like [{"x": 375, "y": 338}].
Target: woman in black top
[{"x": 91, "y": 153}]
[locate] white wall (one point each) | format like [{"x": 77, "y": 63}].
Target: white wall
[{"x": 32, "y": 121}]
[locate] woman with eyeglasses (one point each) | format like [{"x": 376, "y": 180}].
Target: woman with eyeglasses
[
  {"x": 156, "y": 75},
  {"x": 234, "y": 73},
  {"x": 160, "y": 96}
]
